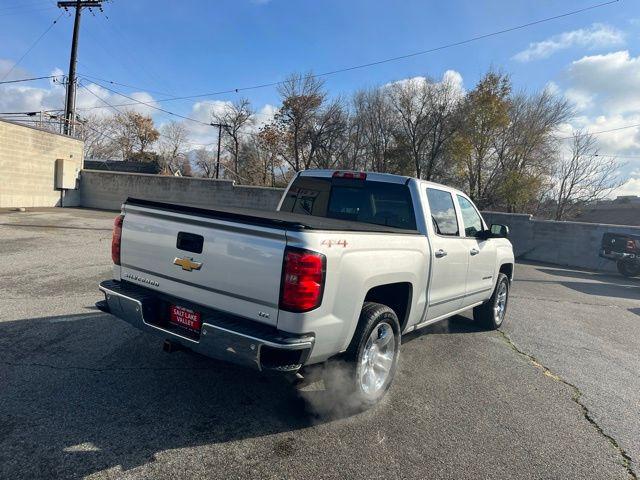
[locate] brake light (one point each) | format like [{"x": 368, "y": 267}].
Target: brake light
[
  {"x": 116, "y": 239},
  {"x": 351, "y": 175},
  {"x": 303, "y": 274},
  {"x": 631, "y": 245}
]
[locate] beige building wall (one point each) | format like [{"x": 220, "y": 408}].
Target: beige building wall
[{"x": 27, "y": 166}]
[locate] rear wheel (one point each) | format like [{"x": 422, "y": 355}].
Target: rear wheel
[
  {"x": 365, "y": 372},
  {"x": 629, "y": 269},
  {"x": 491, "y": 314}
]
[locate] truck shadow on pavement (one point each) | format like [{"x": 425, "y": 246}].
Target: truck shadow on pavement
[
  {"x": 594, "y": 284},
  {"x": 85, "y": 393}
]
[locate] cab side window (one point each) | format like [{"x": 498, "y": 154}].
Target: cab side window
[
  {"x": 443, "y": 212},
  {"x": 470, "y": 217}
]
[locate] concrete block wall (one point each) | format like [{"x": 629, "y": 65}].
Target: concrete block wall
[
  {"x": 108, "y": 190},
  {"x": 27, "y": 166},
  {"x": 574, "y": 244}
]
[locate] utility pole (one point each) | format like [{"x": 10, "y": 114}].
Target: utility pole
[
  {"x": 219, "y": 125},
  {"x": 70, "y": 103}
]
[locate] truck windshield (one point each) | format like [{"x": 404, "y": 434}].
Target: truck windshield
[{"x": 364, "y": 201}]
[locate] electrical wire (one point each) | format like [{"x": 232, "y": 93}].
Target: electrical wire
[
  {"x": 31, "y": 79},
  {"x": 33, "y": 45},
  {"x": 387, "y": 60},
  {"x": 111, "y": 82},
  {"x": 636, "y": 125},
  {"x": 121, "y": 112}
]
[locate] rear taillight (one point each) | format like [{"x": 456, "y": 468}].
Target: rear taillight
[
  {"x": 116, "y": 239},
  {"x": 631, "y": 245},
  {"x": 349, "y": 174},
  {"x": 303, "y": 274}
]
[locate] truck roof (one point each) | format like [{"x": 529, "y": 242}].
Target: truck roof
[{"x": 377, "y": 177}]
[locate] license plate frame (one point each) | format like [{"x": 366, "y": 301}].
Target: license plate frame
[{"x": 185, "y": 318}]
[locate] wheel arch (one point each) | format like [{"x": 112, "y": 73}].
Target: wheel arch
[{"x": 397, "y": 296}]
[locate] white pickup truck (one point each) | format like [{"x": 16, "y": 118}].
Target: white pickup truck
[{"x": 348, "y": 263}]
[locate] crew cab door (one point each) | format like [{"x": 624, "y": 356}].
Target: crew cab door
[
  {"x": 449, "y": 255},
  {"x": 481, "y": 253}
]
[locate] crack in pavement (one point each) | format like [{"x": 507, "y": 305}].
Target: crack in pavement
[{"x": 627, "y": 461}]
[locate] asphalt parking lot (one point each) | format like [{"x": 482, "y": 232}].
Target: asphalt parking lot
[{"x": 555, "y": 395}]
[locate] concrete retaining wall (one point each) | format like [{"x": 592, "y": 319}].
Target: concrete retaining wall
[
  {"x": 574, "y": 244},
  {"x": 108, "y": 190},
  {"x": 27, "y": 166}
]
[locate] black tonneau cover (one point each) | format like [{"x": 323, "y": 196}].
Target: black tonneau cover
[{"x": 274, "y": 219}]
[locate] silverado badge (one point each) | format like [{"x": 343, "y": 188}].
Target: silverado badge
[{"x": 187, "y": 264}]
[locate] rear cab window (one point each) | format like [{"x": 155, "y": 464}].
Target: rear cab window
[{"x": 366, "y": 201}]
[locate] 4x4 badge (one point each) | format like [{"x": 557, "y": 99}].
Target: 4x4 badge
[{"x": 187, "y": 264}]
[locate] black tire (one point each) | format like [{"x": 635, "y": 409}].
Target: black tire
[
  {"x": 628, "y": 269},
  {"x": 343, "y": 374},
  {"x": 487, "y": 314}
]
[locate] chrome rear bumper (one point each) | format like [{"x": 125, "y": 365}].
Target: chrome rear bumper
[
  {"x": 223, "y": 336},
  {"x": 617, "y": 255}
]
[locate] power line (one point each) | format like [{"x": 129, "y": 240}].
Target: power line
[
  {"x": 111, "y": 82},
  {"x": 387, "y": 60},
  {"x": 32, "y": 47},
  {"x": 636, "y": 125},
  {"x": 29, "y": 79},
  {"x": 616, "y": 156},
  {"x": 121, "y": 112}
]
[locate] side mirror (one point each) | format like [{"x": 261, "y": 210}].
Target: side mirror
[{"x": 499, "y": 231}]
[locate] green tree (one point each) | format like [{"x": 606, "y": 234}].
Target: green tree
[{"x": 484, "y": 114}]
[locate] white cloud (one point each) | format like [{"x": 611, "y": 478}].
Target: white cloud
[
  {"x": 631, "y": 187},
  {"x": 450, "y": 77},
  {"x": 597, "y": 36},
  {"x": 612, "y": 81},
  {"x": 605, "y": 91}
]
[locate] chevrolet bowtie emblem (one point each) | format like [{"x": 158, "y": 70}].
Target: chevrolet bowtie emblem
[{"x": 187, "y": 264}]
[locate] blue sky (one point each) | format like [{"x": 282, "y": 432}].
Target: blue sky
[{"x": 194, "y": 46}]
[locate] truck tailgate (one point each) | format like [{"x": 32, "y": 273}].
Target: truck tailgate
[{"x": 221, "y": 264}]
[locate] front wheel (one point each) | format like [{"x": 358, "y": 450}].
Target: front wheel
[
  {"x": 628, "y": 269},
  {"x": 491, "y": 313},
  {"x": 362, "y": 376}
]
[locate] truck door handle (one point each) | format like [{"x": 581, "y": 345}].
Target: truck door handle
[
  {"x": 440, "y": 253},
  {"x": 474, "y": 251}
]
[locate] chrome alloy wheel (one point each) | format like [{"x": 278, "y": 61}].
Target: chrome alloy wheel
[
  {"x": 500, "y": 306},
  {"x": 377, "y": 359}
]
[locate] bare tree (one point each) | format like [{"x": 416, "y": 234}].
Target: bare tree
[
  {"x": 234, "y": 118},
  {"x": 206, "y": 161},
  {"x": 443, "y": 101},
  {"x": 374, "y": 119},
  {"x": 525, "y": 150},
  {"x": 327, "y": 136},
  {"x": 410, "y": 101},
  {"x": 583, "y": 177},
  {"x": 302, "y": 98},
  {"x": 96, "y": 133},
  {"x": 172, "y": 145}
]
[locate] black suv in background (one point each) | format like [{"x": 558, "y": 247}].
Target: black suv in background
[{"x": 624, "y": 249}]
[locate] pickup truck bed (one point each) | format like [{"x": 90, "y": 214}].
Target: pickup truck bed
[{"x": 273, "y": 219}]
